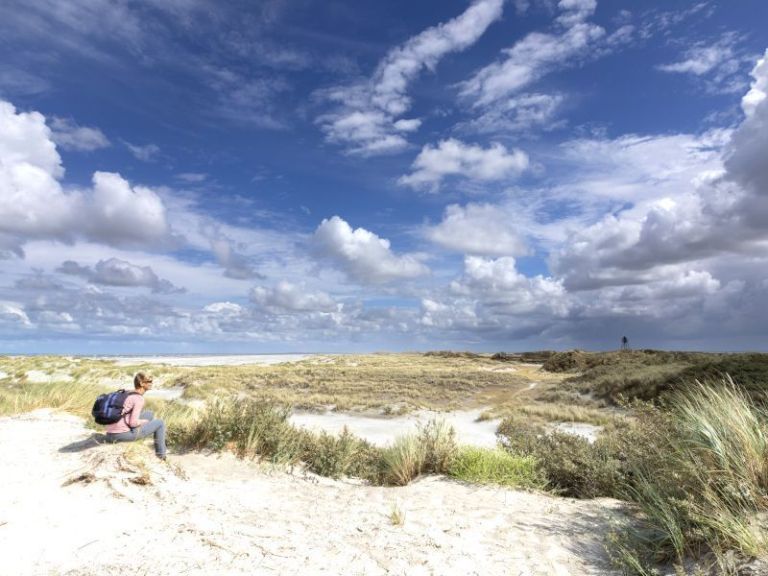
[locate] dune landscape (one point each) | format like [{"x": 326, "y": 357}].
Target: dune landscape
[{"x": 337, "y": 464}]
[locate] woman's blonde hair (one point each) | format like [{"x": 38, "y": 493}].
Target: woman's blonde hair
[{"x": 140, "y": 379}]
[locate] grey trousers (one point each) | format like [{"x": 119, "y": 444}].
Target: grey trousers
[{"x": 155, "y": 426}]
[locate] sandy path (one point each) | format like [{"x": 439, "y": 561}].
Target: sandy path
[{"x": 235, "y": 517}]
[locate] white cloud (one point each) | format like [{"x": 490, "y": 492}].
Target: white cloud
[
  {"x": 518, "y": 114},
  {"x": 227, "y": 309},
  {"x": 716, "y": 210},
  {"x": 33, "y": 203},
  {"x": 289, "y": 297},
  {"x": 363, "y": 255},
  {"x": 499, "y": 286},
  {"x": 746, "y": 159},
  {"x": 535, "y": 56},
  {"x": 721, "y": 62},
  {"x": 145, "y": 153},
  {"x": 13, "y": 313},
  {"x": 454, "y": 158},
  {"x": 368, "y": 120},
  {"x": 68, "y": 135},
  {"x": 480, "y": 229},
  {"x": 493, "y": 298}
]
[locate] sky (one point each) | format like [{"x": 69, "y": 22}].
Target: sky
[{"x": 193, "y": 176}]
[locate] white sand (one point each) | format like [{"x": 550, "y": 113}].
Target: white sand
[
  {"x": 40, "y": 377},
  {"x": 382, "y": 430},
  {"x": 240, "y": 360},
  {"x": 235, "y": 518},
  {"x": 587, "y": 431}
]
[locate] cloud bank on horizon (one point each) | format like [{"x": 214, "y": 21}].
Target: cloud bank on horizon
[{"x": 187, "y": 177}]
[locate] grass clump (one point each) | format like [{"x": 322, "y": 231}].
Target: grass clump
[
  {"x": 27, "y": 396},
  {"x": 404, "y": 460},
  {"x": 497, "y": 466},
  {"x": 431, "y": 450},
  {"x": 704, "y": 491}
]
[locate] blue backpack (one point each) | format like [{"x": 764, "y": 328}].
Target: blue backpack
[{"x": 108, "y": 408}]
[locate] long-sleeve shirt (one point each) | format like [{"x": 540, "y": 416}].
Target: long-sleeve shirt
[{"x": 131, "y": 410}]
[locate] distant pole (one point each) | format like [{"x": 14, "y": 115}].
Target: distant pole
[{"x": 624, "y": 343}]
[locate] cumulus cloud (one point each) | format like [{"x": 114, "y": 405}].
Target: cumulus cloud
[
  {"x": 721, "y": 210},
  {"x": 746, "y": 156},
  {"x": 368, "y": 118},
  {"x": 536, "y": 55},
  {"x": 494, "y": 299},
  {"x": 68, "y": 135},
  {"x": 35, "y": 205},
  {"x": 116, "y": 272},
  {"x": 478, "y": 229},
  {"x": 362, "y": 255},
  {"x": 452, "y": 157},
  {"x": 287, "y": 297},
  {"x": 500, "y": 286}
]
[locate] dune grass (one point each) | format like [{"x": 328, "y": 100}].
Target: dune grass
[
  {"x": 19, "y": 398},
  {"x": 705, "y": 492},
  {"x": 387, "y": 383}
]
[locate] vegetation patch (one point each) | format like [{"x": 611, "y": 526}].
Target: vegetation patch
[{"x": 497, "y": 466}]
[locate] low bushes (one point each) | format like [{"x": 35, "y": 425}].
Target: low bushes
[
  {"x": 260, "y": 430},
  {"x": 571, "y": 465}
]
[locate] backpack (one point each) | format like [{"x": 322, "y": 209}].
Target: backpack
[{"x": 108, "y": 408}]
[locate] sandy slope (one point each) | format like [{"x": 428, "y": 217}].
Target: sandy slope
[{"x": 234, "y": 517}]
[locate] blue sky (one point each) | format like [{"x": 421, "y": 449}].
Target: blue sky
[{"x": 194, "y": 176}]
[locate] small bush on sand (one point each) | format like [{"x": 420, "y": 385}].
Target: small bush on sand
[
  {"x": 342, "y": 455},
  {"x": 438, "y": 441},
  {"x": 571, "y": 465},
  {"x": 497, "y": 466}
]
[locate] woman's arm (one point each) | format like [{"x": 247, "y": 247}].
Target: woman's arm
[{"x": 133, "y": 416}]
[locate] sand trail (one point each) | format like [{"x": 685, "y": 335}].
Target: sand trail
[{"x": 227, "y": 516}]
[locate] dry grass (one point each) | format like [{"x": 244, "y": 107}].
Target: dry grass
[{"x": 386, "y": 383}]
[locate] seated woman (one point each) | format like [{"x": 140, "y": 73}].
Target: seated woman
[{"x": 136, "y": 424}]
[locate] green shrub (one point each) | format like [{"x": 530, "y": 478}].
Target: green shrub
[
  {"x": 496, "y": 466},
  {"x": 249, "y": 428},
  {"x": 571, "y": 465},
  {"x": 342, "y": 455}
]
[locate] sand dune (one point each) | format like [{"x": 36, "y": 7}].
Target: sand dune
[{"x": 73, "y": 507}]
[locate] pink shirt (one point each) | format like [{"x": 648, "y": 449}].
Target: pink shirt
[{"x": 131, "y": 409}]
